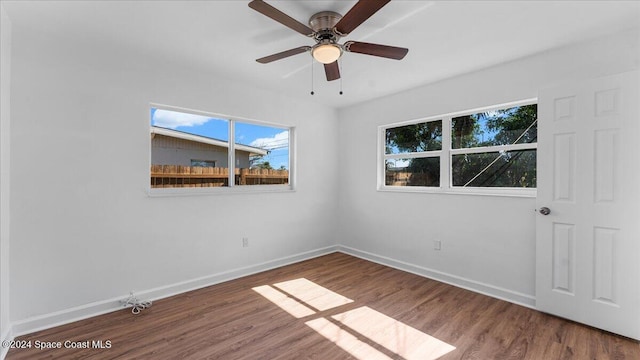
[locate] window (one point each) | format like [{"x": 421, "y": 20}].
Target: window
[
  {"x": 203, "y": 163},
  {"x": 412, "y": 154},
  {"x": 267, "y": 166},
  {"x": 491, "y": 150},
  {"x": 191, "y": 149}
]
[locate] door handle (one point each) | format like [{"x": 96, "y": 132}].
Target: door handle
[{"x": 545, "y": 210}]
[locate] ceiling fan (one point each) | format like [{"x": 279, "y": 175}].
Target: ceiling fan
[{"x": 326, "y": 28}]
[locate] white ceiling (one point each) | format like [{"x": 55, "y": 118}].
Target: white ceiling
[{"x": 445, "y": 38}]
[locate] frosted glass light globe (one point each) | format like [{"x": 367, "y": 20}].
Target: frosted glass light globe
[{"x": 326, "y": 53}]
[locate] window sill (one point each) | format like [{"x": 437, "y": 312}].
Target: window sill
[
  {"x": 246, "y": 189},
  {"x": 501, "y": 192}
]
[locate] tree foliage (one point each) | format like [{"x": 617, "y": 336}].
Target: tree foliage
[
  {"x": 515, "y": 125},
  {"x": 263, "y": 165},
  {"x": 417, "y": 138},
  {"x": 425, "y": 136}
]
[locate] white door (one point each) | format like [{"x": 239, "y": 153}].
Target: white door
[{"x": 588, "y": 246}]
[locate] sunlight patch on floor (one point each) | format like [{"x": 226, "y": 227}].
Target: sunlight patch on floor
[
  {"x": 345, "y": 340},
  {"x": 394, "y": 335},
  {"x": 313, "y": 294},
  {"x": 293, "y": 307},
  {"x": 355, "y": 331}
]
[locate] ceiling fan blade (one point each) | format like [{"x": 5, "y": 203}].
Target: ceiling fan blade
[
  {"x": 360, "y": 12},
  {"x": 385, "y": 51},
  {"x": 284, "y": 54},
  {"x": 277, "y": 15},
  {"x": 332, "y": 71}
]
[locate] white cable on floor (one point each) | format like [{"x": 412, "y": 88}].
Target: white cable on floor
[{"x": 136, "y": 305}]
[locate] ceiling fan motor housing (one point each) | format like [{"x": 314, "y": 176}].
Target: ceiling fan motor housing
[{"x": 323, "y": 24}]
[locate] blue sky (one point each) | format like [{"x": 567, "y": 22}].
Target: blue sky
[{"x": 276, "y": 140}]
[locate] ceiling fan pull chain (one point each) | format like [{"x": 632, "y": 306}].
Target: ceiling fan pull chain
[
  {"x": 312, "y": 93},
  {"x": 342, "y": 66}
]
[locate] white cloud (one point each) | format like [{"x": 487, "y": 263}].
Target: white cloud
[
  {"x": 399, "y": 163},
  {"x": 172, "y": 119},
  {"x": 278, "y": 141}
]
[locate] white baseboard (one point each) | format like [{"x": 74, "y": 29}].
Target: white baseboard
[
  {"x": 66, "y": 316},
  {"x": 472, "y": 285},
  {"x": 6, "y": 336}
]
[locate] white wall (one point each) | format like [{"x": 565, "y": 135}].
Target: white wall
[
  {"x": 5, "y": 138},
  {"x": 488, "y": 243},
  {"x": 84, "y": 230}
]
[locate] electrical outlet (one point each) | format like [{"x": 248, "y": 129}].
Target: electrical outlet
[
  {"x": 437, "y": 245},
  {"x": 245, "y": 242}
]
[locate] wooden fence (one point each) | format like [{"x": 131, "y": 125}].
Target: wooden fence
[
  {"x": 401, "y": 178},
  {"x": 172, "y": 176}
]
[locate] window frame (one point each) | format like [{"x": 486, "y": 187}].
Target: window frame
[
  {"x": 232, "y": 188},
  {"x": 413, "y": 155},
  {"x": 446, "y": 156}
]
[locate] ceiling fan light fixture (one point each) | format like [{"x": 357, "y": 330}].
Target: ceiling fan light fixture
[{"x": 326, "y": 53}]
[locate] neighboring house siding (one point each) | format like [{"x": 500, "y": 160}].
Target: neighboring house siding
[{"x": 172, "y": 151}]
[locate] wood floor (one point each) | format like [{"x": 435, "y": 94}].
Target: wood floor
[{"x": 401, "y": 316}]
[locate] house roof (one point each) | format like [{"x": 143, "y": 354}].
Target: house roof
[{"x": 205, "y": 140}]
